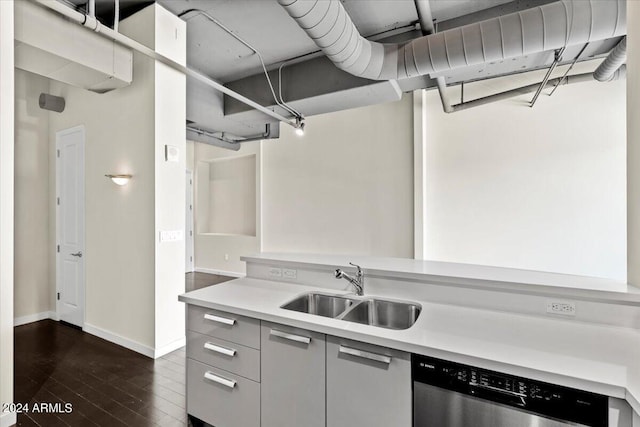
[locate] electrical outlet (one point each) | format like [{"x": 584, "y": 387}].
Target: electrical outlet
[
  {"x": 561, "y": 307},
  {"x": 288, "y": 273},
  {"x": 275, "y": 272},
  {"x": 226, "y": 257}
]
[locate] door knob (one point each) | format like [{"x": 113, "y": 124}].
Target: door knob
[{"x": 78, "y": 254}]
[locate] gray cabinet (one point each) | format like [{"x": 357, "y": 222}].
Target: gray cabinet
[
  {"x": 223, "y": 368},
  {"x": 293, "y": 377},
  {"x": 367, "y": 385}
]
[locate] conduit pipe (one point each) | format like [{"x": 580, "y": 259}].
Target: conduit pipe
[
  {"x": 610, "y": 67},
  {"x": 576, "y": 78},
  {"x": 93, "y": 24},
  {"x": 116, "y": 15},
  {"x": 539, "y": 29},
  {"x": 426, "y": 25},
  {"x": 219, "y": 139}
]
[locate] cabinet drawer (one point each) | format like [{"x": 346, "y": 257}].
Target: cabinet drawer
[
  {"x": 221, "y": 398},
  {"x": 226, "y": 326},
  {"x": 232, "y": 357}
]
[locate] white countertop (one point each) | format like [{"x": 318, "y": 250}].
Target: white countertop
[
  {"x": 468, "y": 275},
  {"x": 597, "y": 358}
]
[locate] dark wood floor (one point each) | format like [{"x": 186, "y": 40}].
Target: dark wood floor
[{"x": 107, "y": 385}]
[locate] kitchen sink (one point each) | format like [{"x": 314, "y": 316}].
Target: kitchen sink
[
  {"x": 374, "y": 312},
  {"x": 320, "y": 304},
  {"x": 385, "y": 314}
]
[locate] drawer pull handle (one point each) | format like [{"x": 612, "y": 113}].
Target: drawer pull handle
[
  {"x": 292, "y": 337},
  {"x": 219, "y": 349},
  {"x": 220, "y": 380},
  {"x": 365, "y": 354},
  {"x": 220, "y": 319}
]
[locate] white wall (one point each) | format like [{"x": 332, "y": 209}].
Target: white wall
[
  {"x": 220, "y": 253},
  {"x": 170, "y": 39},
  {"x": 633, "y": 137},
  {"x": 538, "y": 188},
  {"x": 6, "y": 206},
  {"x": 34, "y": 288},
  {"x": 133, "y": 280},
  {"x": 345, "y": 187}
]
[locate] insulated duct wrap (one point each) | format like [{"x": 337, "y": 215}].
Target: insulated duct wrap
[
  {"x": 609, "y": 68},
  {"x": 543, "y": 28}
]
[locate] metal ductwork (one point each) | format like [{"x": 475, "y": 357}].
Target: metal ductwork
[
  {"x": 540, "y": 29},
  {"x": 613, "y": 65}
]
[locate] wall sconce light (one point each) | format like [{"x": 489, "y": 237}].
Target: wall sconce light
[{"x": 119, "y": 179}]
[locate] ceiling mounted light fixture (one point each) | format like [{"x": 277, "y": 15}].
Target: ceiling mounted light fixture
[{"x": 119, "y": 179}]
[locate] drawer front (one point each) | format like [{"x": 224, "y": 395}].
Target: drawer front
[
  {"x": 229, "y": 327},
  {"x": 235, "y": 358},
  {"x": 221, "y": 398}
]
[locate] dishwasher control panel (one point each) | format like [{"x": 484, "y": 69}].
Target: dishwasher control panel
[{"x": 550, "y": 400}]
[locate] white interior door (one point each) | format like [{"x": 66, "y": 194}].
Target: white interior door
[
  {"x": 189, "y": 224},
  {"x": 70, "y": 260}
]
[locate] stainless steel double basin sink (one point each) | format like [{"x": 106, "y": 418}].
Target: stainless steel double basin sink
[{"x": 368, "y": 311}]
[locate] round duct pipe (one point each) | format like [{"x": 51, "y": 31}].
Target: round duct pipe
[
  {"x": 51, "y": 102},
  {"x": 539, "y": 29},
  {"x": 609, "y": 69}
]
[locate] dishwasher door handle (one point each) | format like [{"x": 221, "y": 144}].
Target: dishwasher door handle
[{"x": 382, "y": 358}]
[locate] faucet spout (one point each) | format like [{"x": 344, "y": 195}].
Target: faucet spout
[{"x": 357, "y": 282}]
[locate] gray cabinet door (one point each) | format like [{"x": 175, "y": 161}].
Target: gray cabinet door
[
  {"x": 293, "y": 377},
  {"x": 367, "y": 385}
]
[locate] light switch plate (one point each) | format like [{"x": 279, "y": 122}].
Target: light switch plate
[
  {"x": 171, "y": 153},
  {"x": 171, "y": 235}
]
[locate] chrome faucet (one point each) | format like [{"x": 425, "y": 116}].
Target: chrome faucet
[{"x": 357, "y": 282}]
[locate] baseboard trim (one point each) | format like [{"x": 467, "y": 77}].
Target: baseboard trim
[
  {"x": 23, "y": 320},
  {"x": 219, "y": 272},
  {"x": 166, "y": 349},
  {"x": 120, "y": 340},
  {"x": 8, "y": 419}
]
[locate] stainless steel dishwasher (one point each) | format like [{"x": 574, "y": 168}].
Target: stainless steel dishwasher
[{"x": 447, "y": 394}]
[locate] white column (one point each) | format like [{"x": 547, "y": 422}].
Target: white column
[
  {"x": 419, "y": 165},
  {"x": 633, "y": 142},
  {"x": 6, "y": 207}
]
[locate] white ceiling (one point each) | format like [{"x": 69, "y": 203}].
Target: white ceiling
[{"x": 265, "y": 25}]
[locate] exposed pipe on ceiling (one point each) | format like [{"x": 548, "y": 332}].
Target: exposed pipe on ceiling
[
  {"x": 539, "y": 29},
  {"x": 565, "y": 80},
  {"x": 210, "y": 138},
  {"x": 280, "y": 102},
  {"x": 93, "y": 24},
  {"x": 221, "y": 140},
  {"x": 566, "y": 73},
  {"x": 116, "y": 14},
  {"x": 426, "y": 25},
  {"x": 557, "y": 57},
  {"x": 609, "y": 69}
]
